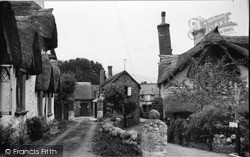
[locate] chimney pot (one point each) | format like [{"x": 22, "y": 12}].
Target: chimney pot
[
  {"x": 164, "y": 36},
  {"x": 109, "y": 71},
  {"x": 163, "y": 14}
]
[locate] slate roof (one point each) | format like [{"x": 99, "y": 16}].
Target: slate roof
[
  {"x": 83, "y": 91},
  {"x": 235, "y": 47},
  {"x": 113, "y": 78},
  {"x": 149, "y": 89}
]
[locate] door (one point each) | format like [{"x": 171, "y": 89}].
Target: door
[
  {"x": 66, "y": 112},
  {"x": 84, "y": 109}
]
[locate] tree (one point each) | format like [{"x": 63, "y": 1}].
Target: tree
[
  {"x": 82, "y": 69},
  {"x": 68, "y": 84},
  {"x": 115, "y": 94},
  {"x": 214, "y": 97}
]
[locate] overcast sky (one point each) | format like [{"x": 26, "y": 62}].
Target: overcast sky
[{"x": 110, "y": 31}]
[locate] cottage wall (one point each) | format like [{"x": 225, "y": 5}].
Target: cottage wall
[
  {"x": 127, "y": 81},
  {"x": 31, "y": 97}
]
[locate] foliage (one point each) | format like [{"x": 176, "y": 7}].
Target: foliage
[
  {"x": 22, "y": 132},
  {"x": 37, "y": 128},
  {"x": 83, "y": 70},
  {"x": 175, "y": 131},
  {"x": 105, "y": 145},
  {"x": 68, "y": 84},
  {"x": 214, "y": 96},
  {"x": 63, "y": 124},
  {"x": 157, "y": 104},
  {"x": 6, "y": 136},
  {"x": 115, "y": 94}
]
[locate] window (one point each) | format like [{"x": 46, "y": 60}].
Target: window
[
  {"x": 128, "y": 90},
  {"x": 5, "y": 90},
  {"x": 142, "y": 96},
  {"x": 5, "y": 74},
  {"x": 152, "y": 97},
  {"x": 20, "y": 90}
]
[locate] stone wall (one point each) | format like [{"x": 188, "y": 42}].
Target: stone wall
[{"x": 154, "y": 138}]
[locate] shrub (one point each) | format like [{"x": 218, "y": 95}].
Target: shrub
[
  {"x": 170, "y": 132},
  {"x": 63, "y": 124},
  {"x": 36, "y": 128},
  {"x": 178, "y": 130},
  {"x": 6, "y": 137},
  {"x": 105, "y": 145}
]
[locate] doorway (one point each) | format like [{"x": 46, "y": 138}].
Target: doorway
[{"x": 84, "y": 109}]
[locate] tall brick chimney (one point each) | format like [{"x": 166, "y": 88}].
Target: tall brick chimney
[
  {"x": 164, "y": 36},
  {"x": 109, "y": 71},
  {"x": 198, "y": 35}
]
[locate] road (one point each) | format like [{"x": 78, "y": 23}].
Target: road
[{"x": 76, "y": 140}]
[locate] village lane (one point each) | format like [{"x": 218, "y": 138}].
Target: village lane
[
  {"x": 179, "y": 151},
  {"x": 76, "y": 140}
]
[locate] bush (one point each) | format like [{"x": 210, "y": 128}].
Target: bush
[
  {"x": 170, "y": 132},
  {"x": 37, "y": 128},
  {"x": 63, "y": 124},
  {"x": 178, "y": 130},
  {"x": 105, "y": 145},
  {"x": 6, "y": 137}
]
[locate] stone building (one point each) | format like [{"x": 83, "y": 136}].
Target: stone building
[
  {"x": 207, "y": 46},
  {"x": 26, "y": 50},
  {"x": 148, "y": 93},
  {"x": 131, "y": 87}
]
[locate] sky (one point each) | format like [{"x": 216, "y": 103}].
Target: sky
[{"x": 119, "y": 33}]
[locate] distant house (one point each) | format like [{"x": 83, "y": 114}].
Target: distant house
[
  {"x": 177, "y": 67},
  {"x": 26, "y": 50},
  {"x": 83, "y": 95},
  {"x": 148, "y": 93},
  {"x": 131, "y": 86}
]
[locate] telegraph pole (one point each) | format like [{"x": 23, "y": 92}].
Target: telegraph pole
[{"x": 124, "y": 63}]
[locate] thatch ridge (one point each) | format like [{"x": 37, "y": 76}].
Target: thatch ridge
[
  {"x": 24, "y": 8},
  {"x": 166, "y": 70}
]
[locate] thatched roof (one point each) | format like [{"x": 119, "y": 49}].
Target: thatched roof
[
  {"x": 83, "y": 91},
  {"x": 10, "y": 54},
  {"x": 31, "y": 54},
  {"x": 234, "y": 47},
  {"x": 43, "y": 21},
  {"x": 113, "y": 78},
  {"x": 43, "y": 80},
  {"x": 54, "y": 78}
]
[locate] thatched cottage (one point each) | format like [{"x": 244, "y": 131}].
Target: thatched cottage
[
  {"x": 29, "y": 78},
  {"x": 177, "y": 67},
  {"x": 84, "y": 95}
]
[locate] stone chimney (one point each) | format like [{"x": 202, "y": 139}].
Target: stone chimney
[
  {"x": 164, "y": 36},
  {"x": 101, "y": 76},
  {"x": 109, "y": 71},
  {"x": 198, "y": 35}
]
